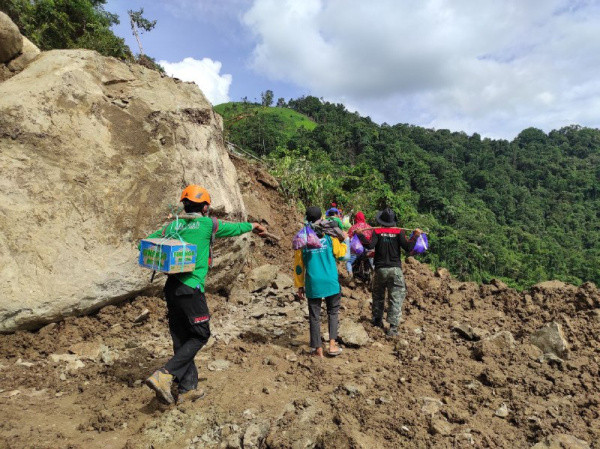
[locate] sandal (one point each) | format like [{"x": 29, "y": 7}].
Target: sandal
[{"x": 335, "y": 353}]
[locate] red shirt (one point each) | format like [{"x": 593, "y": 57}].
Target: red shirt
[{"x": 361, "y": 225}]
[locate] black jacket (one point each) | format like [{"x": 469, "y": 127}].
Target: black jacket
[{"x": 387, "y": 243}]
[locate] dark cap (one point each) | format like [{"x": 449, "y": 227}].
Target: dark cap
[{"x": 313, "y": 213}]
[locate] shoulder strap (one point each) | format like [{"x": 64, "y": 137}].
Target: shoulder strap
[{"x": 215, "y": 228}]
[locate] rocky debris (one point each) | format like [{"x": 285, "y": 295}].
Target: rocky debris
[
  {"x": 370, "y": 397},
  {"x": 142, "y": 316},
  {"x": 466, "y": 331},
  {"x": 430, "y": 405},
  {"x": 88, "y": 350},
  {"x": 283, "y": 282},
  {"x": 23, "y": 363},
  {"x": 561, "y": 441},
  {"x": 551, "y": 340},
  {"x": 266, "y": 179},
  {"x": 231, "y": 436},
  {"x": 352, "y": 390},
  {"x": 72, "y": 361},
  {"x": 442, "y": 273},
  {"x": 353, "y": 334},
  {"x": 219, "y": 365},
  {"x": 261, "y": 277},
  {"x": 11, "y": 41},
  {"x": 496, "y": 345},
  {"x": 502, "y": 411},
  {"x": 439, "y": 426},
  {"x": 254, "y": 435},
  {"x": 588, "y": 296},
  {"x": 239, "y": 295},
  {"x": 500, "y": 285},
  {"x": 63, "y": 126}
]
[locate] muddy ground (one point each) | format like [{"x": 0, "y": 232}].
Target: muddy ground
[{"x": 462, "y": 373}]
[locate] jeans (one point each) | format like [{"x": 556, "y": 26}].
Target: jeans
[{"x": 350, "y": 262}]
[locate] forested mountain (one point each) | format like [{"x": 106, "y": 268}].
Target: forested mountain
[{"x": 526, "y": 210}]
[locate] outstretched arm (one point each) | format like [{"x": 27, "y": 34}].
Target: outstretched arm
[
  {"x": 409, "y": 243},
  {"x": 227, "y": 229}
]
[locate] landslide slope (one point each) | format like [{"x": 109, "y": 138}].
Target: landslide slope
[{"x": 463, "y": 373}]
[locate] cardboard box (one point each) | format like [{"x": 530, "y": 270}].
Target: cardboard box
[{"x": 167, "y": 255}]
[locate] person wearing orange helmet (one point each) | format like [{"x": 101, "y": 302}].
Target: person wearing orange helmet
[{"x": 187, "y": 310}]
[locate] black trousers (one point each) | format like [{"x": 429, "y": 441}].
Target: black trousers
[
  {"x": 314, "y": 318},
  {"x": 189, "y": 318}
]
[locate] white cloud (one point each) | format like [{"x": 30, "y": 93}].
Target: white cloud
[
  {"x": 479, "y": 66},
  {"x": 205, "y": 73}
]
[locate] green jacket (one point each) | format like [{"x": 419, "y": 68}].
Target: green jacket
[{"x": 198, "y": 231}]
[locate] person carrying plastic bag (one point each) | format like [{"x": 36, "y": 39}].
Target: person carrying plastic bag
[
  {"x": 388, "y": 242},
  {"x": 359, "y": 223},
  {"x": 316, "y": 277}
]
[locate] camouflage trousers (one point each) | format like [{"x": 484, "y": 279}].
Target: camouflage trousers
[{"x": 392, "y": 280}]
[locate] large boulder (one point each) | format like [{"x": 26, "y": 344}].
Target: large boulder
[
  {"x": 11, "y": 42},
  {"x": 93, "y": 153},
  {"x": 28, "y": 54}
]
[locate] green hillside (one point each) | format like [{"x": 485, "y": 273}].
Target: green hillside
[
  {"x": 525, "y": 210},
  {"x": 259, "y": 128}
]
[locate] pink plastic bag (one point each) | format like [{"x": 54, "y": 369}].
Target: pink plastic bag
[
  {"x": 312, "y": 239},
  {"x": 306, "y": 238},
  {"x": 300, "y": 239}
]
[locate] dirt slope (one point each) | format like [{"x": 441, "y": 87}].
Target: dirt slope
[{"x": 463, "y": 372}]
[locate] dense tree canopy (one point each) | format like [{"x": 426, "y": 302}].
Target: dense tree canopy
[{"x": 525, "y": 211}]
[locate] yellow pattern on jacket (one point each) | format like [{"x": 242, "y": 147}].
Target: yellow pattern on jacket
[{"x": 339, "y": 251}]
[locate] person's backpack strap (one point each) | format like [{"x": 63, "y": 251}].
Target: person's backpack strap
[{"x": 215, "y": 228}]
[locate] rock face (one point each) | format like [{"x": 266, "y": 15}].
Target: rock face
[
  {"x": 11, "y": 42},
  {"x": 93, "y": 151}
]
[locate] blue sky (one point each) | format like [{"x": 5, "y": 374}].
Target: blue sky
[
  {"x": 190, "y": 29},
  {"x": 468, "y": 65}
]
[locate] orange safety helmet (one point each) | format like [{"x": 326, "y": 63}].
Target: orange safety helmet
[{"x": 196, "y": 194}]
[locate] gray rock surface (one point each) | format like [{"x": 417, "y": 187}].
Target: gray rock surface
[
  {"x": 261, "y": 277},
  {"x": 495, "y": 345},
  {"x": 11, "y": 42},
  {"x": 551, "y": 339},
  {"x": 93, "y": 153},
  {"x": 353, "y": 334}
]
